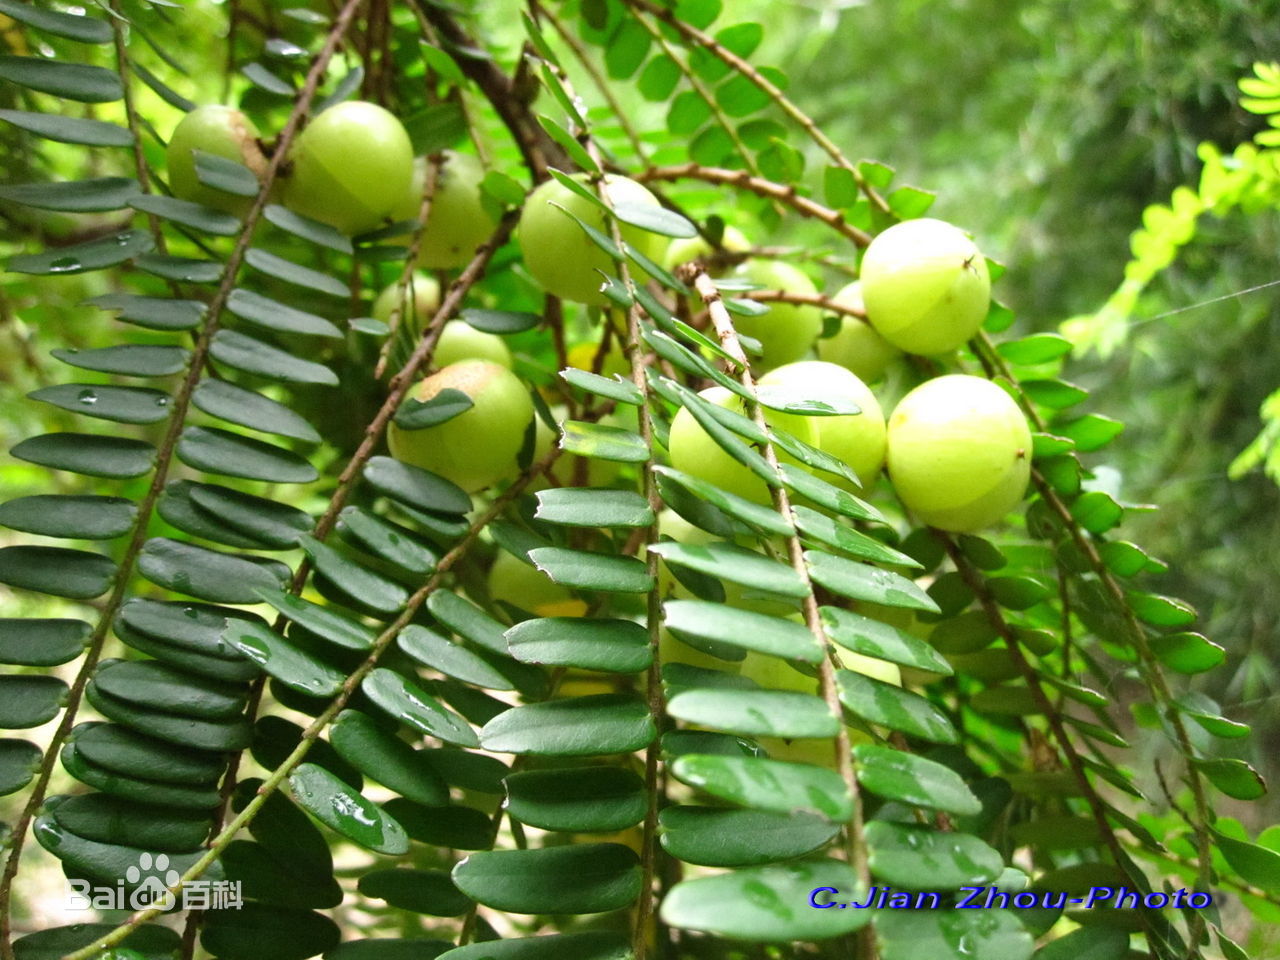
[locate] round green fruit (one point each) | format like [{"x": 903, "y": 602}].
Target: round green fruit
[
  {"x": 560, "y": 256},
  {"x": 525, "y": 586},
  {"x": 926, "y": 286},
  {"x": 693, "y": 450},
  {"x": 857, "y": 439},
  {"x": 350, "y": 167},
  {"x": 221, "y": 131},
  {"x": 959, "y": 453},
  {"x": 788, "y": 330},
  {"x": 458, "y": 340},
  {"x": 856, "y": 346},
  {"x": 685, "y": 250},
  {"x": 477, "y": 448},
  {"x": 458, "y": 221}
]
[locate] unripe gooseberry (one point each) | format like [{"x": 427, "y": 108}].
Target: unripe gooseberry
[
  {"x": 855, "y": 345},
  {"x": 221, "y": 131},
  {"x": 959, "y": 452},
  {"x": 857, "y": 439},
  {"x": 479, "y": 446},
  {"x": 458, "y": 340},
  {"x": 686, "y": 249},
  {"x": 350, "y": 167},
  {"x": 560, "y": 256},
  {"x": 457, "y": 221},
  {"x": 926, "y": 286},
  {"x": 788, "y": 330},
  {"x": 693, "y": 450},
  {"x": 525, "y": 586}
]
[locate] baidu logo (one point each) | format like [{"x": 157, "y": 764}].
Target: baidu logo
[{"x": 149, "y": 884}]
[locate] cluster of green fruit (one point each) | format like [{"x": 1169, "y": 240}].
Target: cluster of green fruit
[{"x": 957, "y": 448}]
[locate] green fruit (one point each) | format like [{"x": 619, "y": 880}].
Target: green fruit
[
  {"x": 693, "y": 451},
  {"x": 959, "y": 453},
  {"x": 926, "y": 286},
  {"x": 788, "y": 330},
  {"x": 458, "y": 221},
  {"x": 560, "y": 256},
  {"x": 350, "y": 167},
  {"x": 525, "y": 586},
  {"x": 458, "y": 340},
  {"x": 224, "y": 132},
  {"x": 857, "y": 439},
  {"x": 477, "y": 448},
  {"x": 693, "y": 248},
  {"x": 856, "y": 346}
]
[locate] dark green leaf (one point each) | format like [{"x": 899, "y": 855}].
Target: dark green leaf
[
  {"x": 104, "y": 402},
  {"x": 384, "y": 757},
  {"x": 1235, "y": 778},
  {"x": 871, "y": 638},
  {"x": 887, "y": 705},
  {"x": 261, "y": 77},
  {"x": 214, "y": 735},
  {"x": 129, "y": 359},
  {"x": 154, "y": 313},
  {"x": 180, "y": 269},
  {"x": 1161, "y": 611},
  {"x": 617, "y": 646},
  {"x": 29, "y": 701},
  {"x": 1256, "y": 864},
  {"x": 160, "y": 687},
  {"x": 613, "y": 388},
  {"x": 57, "y": 571},
  {"x": 69, "y": 517},
  {"x": 128, "y": 823},
  {"x": 603, "y": 442},
  {"x": 415, "y": 487},
  {"x": 82, "y": 257},
  {"x": 89, "y": 133},
  {"x": 408, "y": 703},
  {"x": 577, "y": 800},
  {"x": 593, "y": 508},
  {"x": 953, "y": 935},
  {"x": 118, "y": 748},
  {"x": 419, "y": 891},
  {"x": 253, "y": 356},
  {"x": 742, "y": 628},
  {"x": 273, "y": 315},
  {"x": 415, "y": 414},
  {"x": 461, "y": 828},
  {"x": 225, "y": 174},
  {"x": 761, "y": 517},
  {"x": 717, "y": 837},
  {"x": 500, "y": 322},
  {"x": 390, "y": 541},
  {"x": 354, "y": 579},
  {"x": 434, "y": 651},
  {"x": 467, "y": 620},
  {"x": 769, "y": 904},
  {"x": 151, "y": 942},
  {"x": 295, "y": 273},
  {"x": 345, "y": 811},
  {"x": 279, "y": 658},
  {"x": 917, "y": 858},
  {"x": 72, "y": 81},
  {"x": 767, "y": 784},
  {"x": 188, "y": 214},
  {"x": 824, "y": 494},
  {"x": 586, "y": 570},
  {"x": 42, "y": 643},
  {"x": 235, "y": 455},
  {"x": 1187, "y": 652},
  {"x": 914, "y": 780},
  {"x": 68, "y": 25},
  {"x": 314, "y": 231},
  {"x": 728, "y": 561},
  {"x": 859, "y": 581},
  {"x": 770, "y": 713},
  {"x": 74, "y": 196},
  {"x": 208, "y": 574},
  {"x": 581, "y": 727},
  {"x": 1087, "y": 943},
  {"x": 247, "y": 408},
  {"x": 582, "y": 878},
  {"x": 593, "y": 945},
  {"x": 818, "y": 526},
  {"x": 323, "y": 621},
  {"x": 256, "y": 930}
]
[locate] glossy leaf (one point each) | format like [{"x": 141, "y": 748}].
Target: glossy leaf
[
  {"x": 582, "y": 878},
  {"x": 767, "y": 784},
  {"x": 585, "y": 570},
  {"x": 284, "y": 661},
  {"x": 75, "y": 574},
  {"x": 872, "y": 638},
  {"x": 130, "y": 359},
  {"x": 405, "y": 701},
  {"x": 771, "y": 713},
  {"x": 580, "y": 800},
  {"x": 345, "y": 811},
  {"x": 617, "y": 646},
  {"x": 88, "y": 454},
  {"x": 580, "y": 727},
  {"x": 858, "y": 581},
  {"x": 72, "y": 81},
  {"x": 242, "y": 352},
  {"x": 742, "y": 628},
  {"x": 42, "y": 643},
  {"x": 730, "y": 562},
  {"x": 890, "y": 706},
  {"x": 384, "y": 757},
  {"x": 914, "y": 780}
]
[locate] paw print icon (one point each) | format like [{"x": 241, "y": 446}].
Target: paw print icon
[{"x": 150, "y": 879}]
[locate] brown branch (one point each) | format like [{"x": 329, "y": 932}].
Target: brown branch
[
  {"x": 743, "y": 180},
  {"x": 404, "y": 283},
  {"x": 538, "y": 149}
]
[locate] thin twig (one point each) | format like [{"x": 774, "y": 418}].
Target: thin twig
[{"x": 743, "y": 179}]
